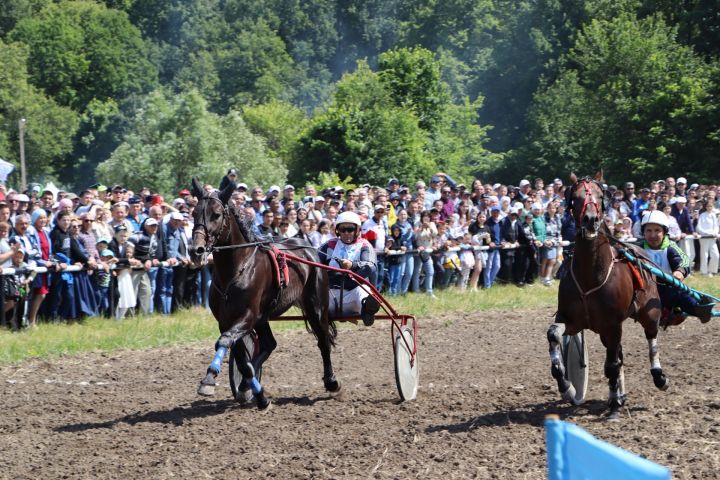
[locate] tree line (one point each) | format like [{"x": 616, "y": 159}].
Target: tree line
[{"x": 152, "y": 92}]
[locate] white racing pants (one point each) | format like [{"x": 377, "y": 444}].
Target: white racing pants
[{"x": 347, "y": 302}]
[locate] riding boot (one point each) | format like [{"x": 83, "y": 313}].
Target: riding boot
[
  {"x": 370, "y": 307},
  {"x": 704, "y": 312}
]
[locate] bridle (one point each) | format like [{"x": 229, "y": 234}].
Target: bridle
[
  {"x": 589, "y": 199},
  {"x": 211, "y": 239}
]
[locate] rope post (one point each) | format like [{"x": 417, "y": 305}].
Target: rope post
[{"x": 3, "y": 321}]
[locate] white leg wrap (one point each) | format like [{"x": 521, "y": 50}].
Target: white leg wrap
[{"x": 653, "y": 353}]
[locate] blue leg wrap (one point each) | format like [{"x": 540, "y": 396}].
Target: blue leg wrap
[
  {"x": 255, "y": 386},
  {"x": 216, "y": 364}
]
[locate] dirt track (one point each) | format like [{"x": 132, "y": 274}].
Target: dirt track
[{"x": 485, "y": 389}]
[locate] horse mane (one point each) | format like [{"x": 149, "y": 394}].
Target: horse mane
[{"x": 245, "y": 223}]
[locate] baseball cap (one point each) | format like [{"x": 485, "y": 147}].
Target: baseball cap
[
  {"x": 102, "y": 240},
  {"x": 232, "y": 171},
  {"x": 495, "y": 208},
  {"x": 183, "y": 192},
  {"x": 319, "y": 199},
  {"x": 680, "y": 199},
  {"x": 393, "y": 180},
  {"x": 118, "y": 188},
  {"x": 273, "y": 188},
  {"x": 434, "y": 179},
  {"x": 524, "y": 182},
  {"x": 289, "y": 187},
  {"x": 134, "y": 200},
  {"x": 379, "y": 207},
  {"x": 681, "y": 180},
  {"x": 176, "y": 216},
  {"x": 150, "y": 222},
  {"x": 120, "y": 228},
  {"x": 536, "y": 206},
  {"x": 22, "y": 198},
  {"x": 241, "y": 186},
  {"x": 394, "y": 196},
  {"x": 101, "y": 188},
  {"x": 107, "y": 253},
  {"x": 693, "y": 186}
]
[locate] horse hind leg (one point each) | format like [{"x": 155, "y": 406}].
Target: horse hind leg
[
  {"x": 317, "y": 315},
  {"x": 557, "y": 366},
  {"x": 659, "y": 378}
]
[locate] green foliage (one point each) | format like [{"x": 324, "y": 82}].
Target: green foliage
[
  {"x": 363, "y": 135},
  {"x": 413, "y": 78},
  {"x": 631, "y": 101},
  {"x": 82, "y": 50},
  {"x": 174, "y": 138},
  {"x": 279, "y": 123},
  {"x": 328, "y": 180},
  {"x": 49, "y": 128}
]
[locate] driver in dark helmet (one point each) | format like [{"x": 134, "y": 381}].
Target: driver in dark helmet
[
  {"x": 351, "y": 252},
  {"x": 672, "y": 260}
]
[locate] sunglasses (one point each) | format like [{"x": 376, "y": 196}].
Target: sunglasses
[{"x": 347, "y": 230}]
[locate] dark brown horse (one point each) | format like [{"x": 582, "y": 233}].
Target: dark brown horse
[
  {"x": 599, "y": 292},
  {"x": 248, "y": 289}
]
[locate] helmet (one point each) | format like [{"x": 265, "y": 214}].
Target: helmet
[
  {"x": 348, "y": 217},
  {"x": 657, "y": 217}
]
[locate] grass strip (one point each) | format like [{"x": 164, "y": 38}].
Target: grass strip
[{"x": 102, "y": 335}]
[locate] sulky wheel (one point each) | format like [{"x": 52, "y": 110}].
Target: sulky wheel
[
  {"x": 575, "y": 356},
  {"x": 406, "y": 371},
  {"x": 241, "y": 392}
]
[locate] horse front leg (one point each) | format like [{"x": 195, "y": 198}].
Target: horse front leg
[
  {"x": 223, "y": 344},
  {"x": 616, "y": 380},
  {"x": 557, "y": 365}
]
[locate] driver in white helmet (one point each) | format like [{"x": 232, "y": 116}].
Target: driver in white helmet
[
  {"x": 672, "y": 260},
  {"x": 351, "y": 252}
]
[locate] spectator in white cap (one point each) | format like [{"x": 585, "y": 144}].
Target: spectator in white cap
[
  {"x": 524, "y": 188},
  {"x": 681, "y": 186},
  {"x": 289, "y": 196},
  {"x": 685, "y": 222},
  {"x": 708, "y": 228}
]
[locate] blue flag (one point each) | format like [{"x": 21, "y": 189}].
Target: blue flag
[{"x": 572, "y": 453}]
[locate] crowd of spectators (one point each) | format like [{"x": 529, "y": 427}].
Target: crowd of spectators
[{"x": 133, "y": 246}]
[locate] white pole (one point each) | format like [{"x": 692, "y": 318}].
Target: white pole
[{"x": 23, "y": 173}]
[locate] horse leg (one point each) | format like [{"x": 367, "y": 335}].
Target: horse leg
[
  {"x": 223, "y": 344},
  {"x": 557, "y": 366},
  {"x": 267, "y": 344},
  {"x": 320, "y": 324},
  {"x": 613, "y": 371},
  {"x": 659, "y": 378},
  {"x": 247, "y": 370}
]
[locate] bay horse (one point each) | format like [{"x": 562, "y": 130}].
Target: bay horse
[
  {"x": 249, "y": 288},
  {"x": 600, "y": 291}
]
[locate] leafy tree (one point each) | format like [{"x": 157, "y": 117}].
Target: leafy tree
[
  {"x": 632, "y": 100},
  {"x": 82, "y": 50},
  {"x": 363, "y": 135},
  {"x": 413, "y": 77},
  {"x": 49, "y": 129},
  {"x": 279, "y": 123},
  {"x": 12, "y": 11},
  {"x": 174, "y": 137}
]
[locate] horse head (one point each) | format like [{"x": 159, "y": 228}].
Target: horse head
[
  {"x": 212, "y": 221},
  {"x": 587, "y": 201}
]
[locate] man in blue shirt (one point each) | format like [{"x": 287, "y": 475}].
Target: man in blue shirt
[{"x": 492, "y": 265}]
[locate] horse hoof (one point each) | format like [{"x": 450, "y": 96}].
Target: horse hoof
[
  {"x": 264, "y": 404},
  {"x": 614, "y": 416},
  {"x": 569, "y": 395},
  {"x": 332, "y": 386},
  {"x": 245, "y": 398},
  {"x": 659, "y": 379},
  {"x": 206, "y": 390}
]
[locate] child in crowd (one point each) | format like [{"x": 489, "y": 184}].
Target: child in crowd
[
  {"x": 467, "y": 260},
  {"x": 127, "y": 295},
  {"x": 394, "y": 262},
  {"x": 102, "y": 279}
]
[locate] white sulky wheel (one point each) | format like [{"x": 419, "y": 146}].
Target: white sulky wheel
[
  {"x": 407, "y": 373},
  {"x": 240, "y": 391},
  {"x": 575, "y": 356}
]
